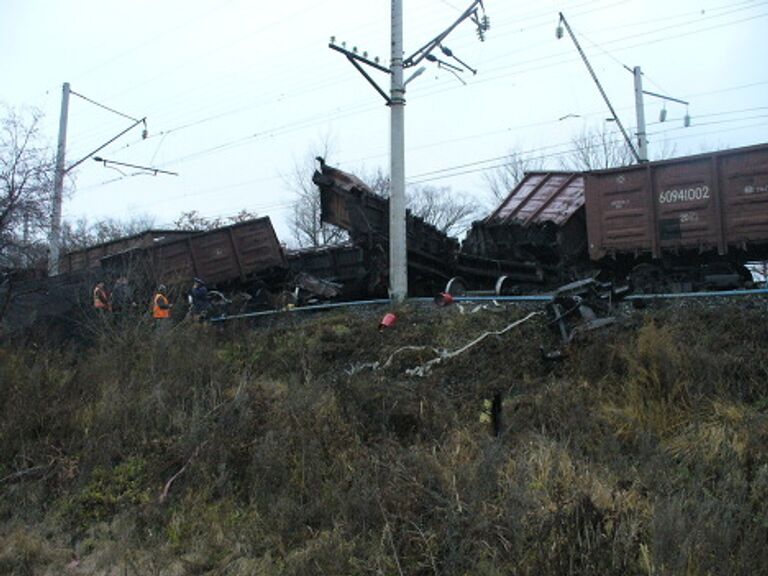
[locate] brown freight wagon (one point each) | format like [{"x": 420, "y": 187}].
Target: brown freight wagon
[
  {"x": 237, "y": 254},
  {"x": 535, "y": 238},
  {"x": 696, "y": 219},
  {"x": 349, "y": 203},
  {"x": 90, "y": 258}
]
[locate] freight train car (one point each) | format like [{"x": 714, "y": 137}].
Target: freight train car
[
  {"x": 235, "y": 255},
  {"x": 90, "y": 258},
  {"x": 535, "y": 239},
  {"x": 681, "y": 224},
  {"x": 244, "y": 257},
  {"x": 347, "y": 202},
  {"x": 343, "y": 272}
]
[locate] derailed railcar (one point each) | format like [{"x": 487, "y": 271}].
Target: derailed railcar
[
  {"x": 235, "y": 256},
  {"x": 90, "y": 258},
  {"x": 686, "y": 223},
  {"x": 347, "y": 202},
  {"x": 536, "y": 238}
]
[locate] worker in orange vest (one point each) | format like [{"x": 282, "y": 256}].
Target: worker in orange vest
[
  {"x": 161, "y": 307},
  {"x": 100, "y": 298}
]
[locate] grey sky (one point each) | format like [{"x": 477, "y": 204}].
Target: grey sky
[{"x": 237, "y": 93}]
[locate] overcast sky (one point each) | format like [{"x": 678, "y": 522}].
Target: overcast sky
[{"x": 239, "y": 93}]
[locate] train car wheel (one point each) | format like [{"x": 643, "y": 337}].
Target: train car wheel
[
  {"x": 505, "y": 286},
  {"x": 456, "y": 286}
]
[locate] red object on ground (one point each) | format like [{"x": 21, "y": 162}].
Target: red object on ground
[
  {"x": 388, "y": 321},
  {"x": 443, "y": 299}
]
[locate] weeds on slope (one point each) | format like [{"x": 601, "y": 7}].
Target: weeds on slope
[{"x": 259, "y": 451}]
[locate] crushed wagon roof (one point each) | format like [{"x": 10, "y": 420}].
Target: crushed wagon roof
[{"x": 541, "y": 197}]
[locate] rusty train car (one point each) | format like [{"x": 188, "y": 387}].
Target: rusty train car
[
  {"x": 239, "y": 254},
  {"x": 537, "y": 235},
  {"x": 90, "y": 258},
  {"x": 349, "y": 203},
  {"x": 245, "y": 256},
  {"x": 688, "y": 223}
]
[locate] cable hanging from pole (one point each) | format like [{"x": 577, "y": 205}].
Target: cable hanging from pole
[
  {"x": 154, "y": 171},
  {"x": 103, "y": 106},
  {"x": 628, "y": 140}
]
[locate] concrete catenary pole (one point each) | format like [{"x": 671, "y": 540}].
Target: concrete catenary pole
[
  {"x": 642, "y": 140},
  {"x": 398, "y": 257},
  {"x": 54, "y": 238}
]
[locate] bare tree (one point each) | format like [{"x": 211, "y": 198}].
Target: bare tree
[
  {"x": 26, "y": 175},
  {"x": 597, "y": 148},
  {"x": 448, "y": 212},
  {"x": 193, "y": 220},
  {"x": 502, "y": 180},
  {"x": 307, "y": 229},
  {"x": 663, "y": 150},
  {"x": 81, "y": 233}
]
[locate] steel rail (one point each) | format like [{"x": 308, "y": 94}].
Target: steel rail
[{"x": 522, "y": 298}]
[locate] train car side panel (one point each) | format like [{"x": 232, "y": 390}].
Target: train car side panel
[
  {"x": 686, "y": 205},
  {"x": 225, "y": 255},
  {"x": 744, "y": 185},
  {"x": 710, "y": 203},
  {"x": 90, "y": 258},
  {"x": 618, "y": 212}
]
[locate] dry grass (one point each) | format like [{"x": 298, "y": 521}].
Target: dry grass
[{"x": 635, "y": 455}]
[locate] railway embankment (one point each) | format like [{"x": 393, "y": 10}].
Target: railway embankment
[{"x": 456, "y": 440}]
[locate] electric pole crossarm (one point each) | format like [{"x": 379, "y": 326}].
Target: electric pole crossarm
[
  {"x": 84, "y": 158},
  {"x": 422, "y": 52},
  {"x": 666, "y": 97},
  {"x": 600, "y": 88},
  {"x": 371, "y": 81},
  {"x": 154, "y": 171},
  {"x": 363, "y": 59}
]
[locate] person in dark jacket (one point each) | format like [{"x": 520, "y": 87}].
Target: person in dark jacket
[
  {"x": 199, "y": 301},
  {"x": 121, "y": 299}
]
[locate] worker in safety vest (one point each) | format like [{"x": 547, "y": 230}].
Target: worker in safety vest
[
  {"x": 161, "y": 307},
  {"x": 100, "y": 298}
]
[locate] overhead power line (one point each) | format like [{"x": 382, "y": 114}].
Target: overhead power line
[
  {"x": 416, "y": 94},
  {"x": 103, "y": 106}
]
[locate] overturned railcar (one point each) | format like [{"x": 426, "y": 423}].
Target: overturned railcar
[
  {"x": 685, "y": 223},
  {"x": 536, "y": 238},
  {"x": 349, "y": 203},
  {"x": 239, "y": 256},
  {"x": 90, "y": 258}
]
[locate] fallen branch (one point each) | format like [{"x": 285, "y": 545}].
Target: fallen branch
[
  {"x": 424, "y": 369},
  {"x": 26, "y": 472},
  {"x": 379, "y": 366},
  {"x": 173, "y": 478}
]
